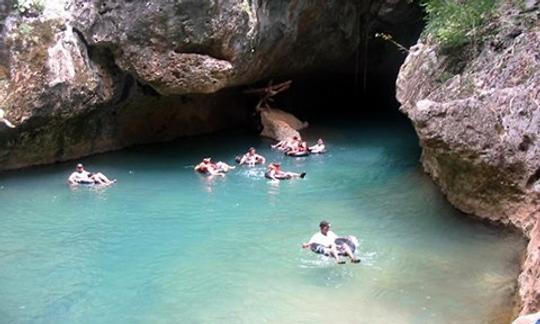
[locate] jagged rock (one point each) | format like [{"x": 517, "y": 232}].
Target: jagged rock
[
  {"x": 280, "y": 125},
  {"x": 479, "y": 128}
]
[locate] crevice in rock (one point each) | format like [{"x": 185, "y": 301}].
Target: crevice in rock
[
  {"x": 127, "y": 87},
  {"x": 525, "y": 143},
  {"x": 81, "y": 37},
  {"x": 533, "y": 178},
  {"x": 147, "y": 89}
]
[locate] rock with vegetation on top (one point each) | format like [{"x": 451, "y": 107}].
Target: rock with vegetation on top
[{"x": 476, "y": 110}]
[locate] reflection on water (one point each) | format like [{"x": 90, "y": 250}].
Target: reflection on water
[{"x": 167, "y": 245}]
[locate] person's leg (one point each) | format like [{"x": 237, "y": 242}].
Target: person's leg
[
  {"x": 221, "y": 167},
  {"x": 349, "y": 253},
  {"x": 97, "y": 179},
  {"x": 334, "y": 253},
  {"x": 102, "y": 178},
  {"x": 295, "y": 175}
]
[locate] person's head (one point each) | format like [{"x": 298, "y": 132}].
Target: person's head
[
  {"x": 273, "y": 166},
  {"x": 324, "y": 226},
  {"x": 79, "y": 167},
  {"x": 320, "y": 141},
  {"x": 251, "y": 150},
  {"x": 206, "y": 160}
]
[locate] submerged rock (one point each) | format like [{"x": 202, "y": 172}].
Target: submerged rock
[{"x": 478, "y": 120}]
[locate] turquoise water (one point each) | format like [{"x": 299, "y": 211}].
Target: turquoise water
[{"x": 166, "y": 245}]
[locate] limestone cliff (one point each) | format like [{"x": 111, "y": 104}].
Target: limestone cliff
[
  {"x": 478, "y": 119},
  {"x": 79, "y": 77}
]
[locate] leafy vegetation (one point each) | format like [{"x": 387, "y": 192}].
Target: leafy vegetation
[
  {"x": 28, "y": 6},
  {"x": 455, "y": 23}
]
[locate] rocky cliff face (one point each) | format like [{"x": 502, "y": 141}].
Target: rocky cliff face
[
  {"x": 80, "y": 77},
  {"x": 478, "y": 120}
]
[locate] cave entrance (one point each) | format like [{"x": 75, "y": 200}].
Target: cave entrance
[{"x": 362, "y": 87}]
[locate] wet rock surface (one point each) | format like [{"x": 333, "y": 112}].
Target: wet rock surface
[{"x": 479, "y": 127}]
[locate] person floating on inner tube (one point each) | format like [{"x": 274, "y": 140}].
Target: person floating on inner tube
[
  {"x": 274, "y": 172},
  {"x": 324, "y": 242},
  {"x": 209, "y": 168},
  {"x": 81, "y": 176},
  {"x": 251, "y": 158},
  {"x": 300, "y": 150},
  {"x": 318, "y": 148},
  {"x": 287, "y": 144}
]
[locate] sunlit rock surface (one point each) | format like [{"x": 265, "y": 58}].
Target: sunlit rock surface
[
  {"x": 478, "y": 122},
  {"x": 280, "y": 125}
]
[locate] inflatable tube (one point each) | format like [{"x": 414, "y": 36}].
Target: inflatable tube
[
  {"x": 283, "y": 177},
  {"x": 351, "y": 241},
  {"x": 238, "y": 158},
  {"x": 206, "y": 173},
  {"x": 86, "y": 182},
  {"x": 297, "y": 154}
]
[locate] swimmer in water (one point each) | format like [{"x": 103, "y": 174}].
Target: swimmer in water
[{"x": 251, "y": 158}]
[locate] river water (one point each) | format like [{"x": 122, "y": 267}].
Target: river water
[{"x": 166, "y": 245}]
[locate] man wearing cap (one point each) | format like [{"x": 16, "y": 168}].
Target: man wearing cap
[
  {"x": 81, "y": 176},
  {"x": 323, "y": 242}
]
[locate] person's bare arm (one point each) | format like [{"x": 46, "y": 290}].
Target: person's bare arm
[
  {"x": 243, "y": 159},
  {"x": 71, "y": 179}
]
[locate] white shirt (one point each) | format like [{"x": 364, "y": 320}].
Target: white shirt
[
  {"x": 78, "y": 177},
  {"x": 325, "y": 240}
]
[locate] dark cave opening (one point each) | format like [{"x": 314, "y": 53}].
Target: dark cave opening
[{"x": 363, "y": 87}]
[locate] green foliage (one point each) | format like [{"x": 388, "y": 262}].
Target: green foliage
[
  {"x": 27, "y": 6},
  {"x": 454, "y": 23},
  {"x": 25, "y": 29}
]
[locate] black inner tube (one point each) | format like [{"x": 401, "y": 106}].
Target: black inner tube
[
  {"x": 298, "y": 154},
  {"x": 340, "y": 242},
  {"x": 282, "y": 177}
]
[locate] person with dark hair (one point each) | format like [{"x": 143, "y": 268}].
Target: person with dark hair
[
  {"x": 299, "y": 150},
  {"x": 324, "y": 242},
  {"x": 251, "y": 158},
  {"x": 81, "y": 176},
  {"x": 208, "y": 168},
  {"x": 274, "y": 172},
  {"x": 287, "y": 144}
]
